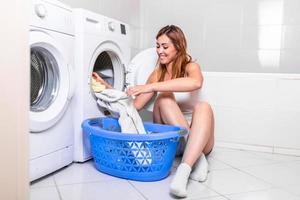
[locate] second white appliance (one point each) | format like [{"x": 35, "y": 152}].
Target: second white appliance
[{"x": 102, "y": 45}]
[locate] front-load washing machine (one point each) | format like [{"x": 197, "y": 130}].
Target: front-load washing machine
[
  {"x": 102, "y": 45},
  {"x": 51, "y": 48}
]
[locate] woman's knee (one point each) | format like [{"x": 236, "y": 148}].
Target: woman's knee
[
  {"x": 164, "y": 99},
  {"x": 203, "y": 107}
]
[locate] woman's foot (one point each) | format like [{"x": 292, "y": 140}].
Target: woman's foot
[
  {"x": 200, "y": 169},
  {"x": 179, "y": 182}
]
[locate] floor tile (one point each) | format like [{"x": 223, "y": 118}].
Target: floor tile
[
  {"x": 294, "y": 189},
  {"x": 112, "y": 190},
  {"x": 44, "y": 193},
  {"x": 229, "y": 181},
  {"x": 214, "y": 164},
  {"x": 160, "y": 189},
  {"x": 234, "y": 175},
  {"x": 270, "y": 194},
  {"x": 80, "y": 173},
  {"x": 237, "y": 158},
  {"x": 46, "y": 181},
  {"x": 279, "y": 174}
]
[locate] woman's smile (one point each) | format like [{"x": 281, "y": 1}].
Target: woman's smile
[{"x": 165, "y": 49}]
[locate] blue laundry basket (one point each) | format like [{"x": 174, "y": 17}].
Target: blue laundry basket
[{"x": 141, "y": 157}]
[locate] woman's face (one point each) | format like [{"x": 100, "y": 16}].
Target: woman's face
[{"x": 165, "y": 50}]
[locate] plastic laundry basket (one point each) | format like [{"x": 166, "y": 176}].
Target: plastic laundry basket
[{"x": 142, "y": 157}]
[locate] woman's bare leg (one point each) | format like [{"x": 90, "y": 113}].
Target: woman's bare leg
[
  {"x": 167, "y": 111},
  {"x": 201, "y": 137},
  {"x": 200, "y": 141}
]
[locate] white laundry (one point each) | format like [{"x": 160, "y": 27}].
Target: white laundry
[{"x": 121, "y": 106}]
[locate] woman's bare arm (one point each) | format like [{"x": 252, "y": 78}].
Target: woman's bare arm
[
  {"x": 142, "y": 99},
  {"x": 192, "y": 82}
]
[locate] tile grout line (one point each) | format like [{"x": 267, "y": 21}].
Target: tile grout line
[
  {"x": 222, "y": 195},
  {"x": 57, "y": 189},
  {"x": 253, "y": 176},
  {"x": 240, "y": 170},
  {"x": 137, "y": 190}
]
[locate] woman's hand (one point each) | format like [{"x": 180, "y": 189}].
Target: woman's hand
[
  {"x": 139, "y": 89},
  {"x": 99, "y": 79}
]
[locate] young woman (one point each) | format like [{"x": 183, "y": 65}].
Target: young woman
[{"x": 176, "y": 72}]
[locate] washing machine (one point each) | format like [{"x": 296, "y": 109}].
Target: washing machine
[
  {"x": 51, "y": 134},
  {"x": 102, "y": 45}
]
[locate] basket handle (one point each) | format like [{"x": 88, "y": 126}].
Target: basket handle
[
  {"x": 182, "y": 132},
  {"x": 175, "y": 139}
]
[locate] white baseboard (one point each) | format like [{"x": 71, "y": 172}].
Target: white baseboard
[
  {"x": 259, "y": 148},
  {"x": 248, "y": 147},
  {"x": 287, "y": 151}
]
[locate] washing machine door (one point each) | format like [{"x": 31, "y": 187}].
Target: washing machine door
[
  {"x": 140, "y": 68},
  {"x": 109, "y": 62},
  {"x": 50, "y": 81}
]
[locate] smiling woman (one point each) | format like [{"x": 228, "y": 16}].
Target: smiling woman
[{"x": 176, "y": 72}]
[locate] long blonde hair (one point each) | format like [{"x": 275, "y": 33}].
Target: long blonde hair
[{"x": 176, "y": 35}]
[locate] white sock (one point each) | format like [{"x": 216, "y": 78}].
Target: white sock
[
  {"x": 179, "y": 182},
  {"x": 200, "y": 169}
]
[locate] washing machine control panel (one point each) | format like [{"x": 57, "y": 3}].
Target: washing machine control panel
[
  {"x": 40, "y": 10},
  {"x": 116, "y": 27},
  {"x": 123, "y": 29},
  {"x": 111, "y": 26},
  {"x": 57, "y": 17}
]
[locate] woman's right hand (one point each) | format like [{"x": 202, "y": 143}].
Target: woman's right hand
[{"x": 99, "y": 79}]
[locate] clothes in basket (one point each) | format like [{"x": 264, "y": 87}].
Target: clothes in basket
[{"x": 121, "y": 106}]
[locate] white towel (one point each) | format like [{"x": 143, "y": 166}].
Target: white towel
[{"x": 121, "y": 106}]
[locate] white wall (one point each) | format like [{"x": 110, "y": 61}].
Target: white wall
[
  {"x": 232, "y": 35},
  {"x": 14, "y": 101},
  {"x": 253, "y": 110},
  {"x": 92, "y": 5},
  {"x": 127, "y": 11}
]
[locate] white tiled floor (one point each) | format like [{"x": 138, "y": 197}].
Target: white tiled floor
[{"x": 234, "y": 174}]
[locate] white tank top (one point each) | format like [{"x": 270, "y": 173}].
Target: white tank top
[{"x": 187, "y": 100}]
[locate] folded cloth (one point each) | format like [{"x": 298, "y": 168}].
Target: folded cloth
[{"x": 121, "y": 106}]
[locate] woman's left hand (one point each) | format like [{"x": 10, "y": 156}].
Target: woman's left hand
[{"x": 139, "y": 89}]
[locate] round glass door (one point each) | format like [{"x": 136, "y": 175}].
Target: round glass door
[
  {"x": 44, "y": 79},
  {"x": 50, "y": 81}
]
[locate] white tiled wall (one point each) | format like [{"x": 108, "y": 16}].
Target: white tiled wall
[
  {"x": 255, "y": 111},
  {"x": 232, "y": 35}
]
